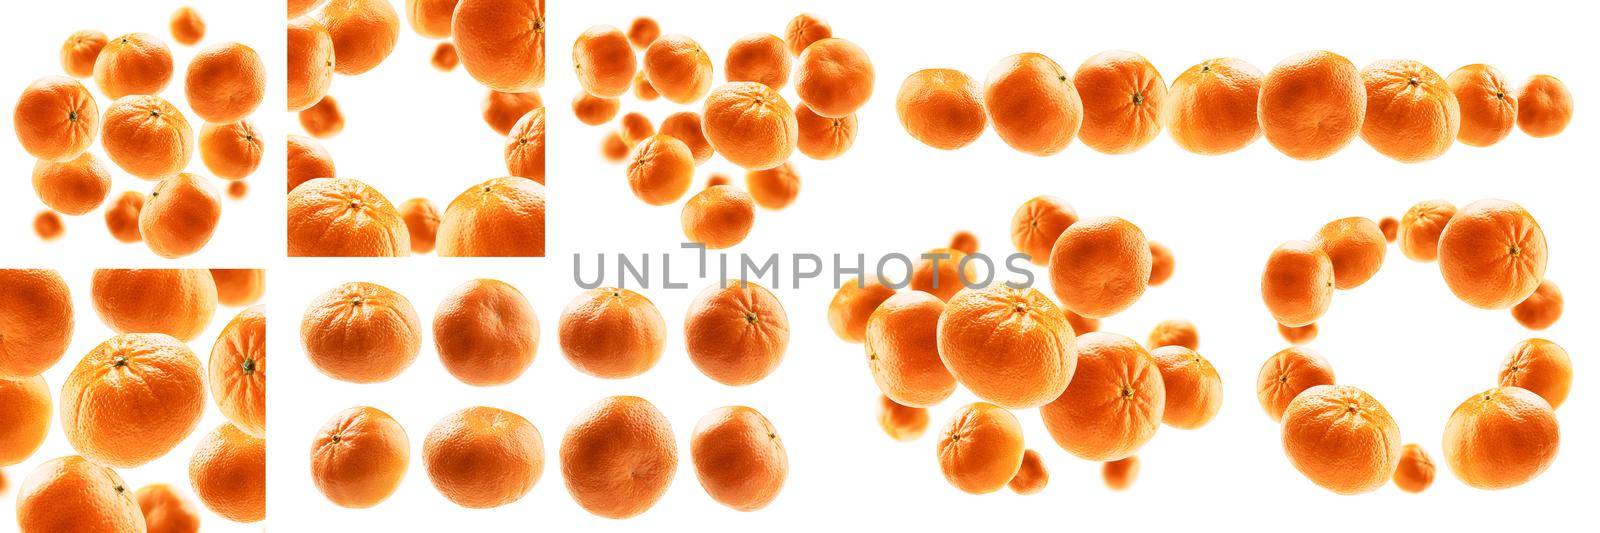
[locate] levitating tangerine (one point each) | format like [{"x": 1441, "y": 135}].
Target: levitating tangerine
[
  {"x": 225, "y": 82},
  {"x": 230, "y": 151},
  {"x": 759, "y": 57},
  {"x": 803, "y": 30},
  {"x": 501, "y": 42},
  {"x": 718, "y": 217},
  {"x": 1415, "y": 471},
  {"x": 1412, "y": 115},
  {"x": 853, "y": 304},
  {"x": 73, "y": 187},
  {"x": 774, "y": 188},
  {"x": 1122, "y": 98},
  {"x": 594, "y": 110},
  {"x": 1341, "y": 438},
  {"x": 1544, "y": 106},
  {"x": 80, "y": 51},
  {"x": 338, "y": 217},
  {"x": 147, "y": 137},
  {"x": 1288, "y": 373},
  {"x": 1311, "y": 105},
  {"x": 364, "y": 33},
  {"x": 736, "y": 335},
  {"x": 604, "y": 61},
  {"x": 309, "y": 50},
  {"x": 834, "y": 77},
  {"x": 1540, "y": 366},
  {"x": 181, "y": 215},
  {"x": 941, "y": 108},
  {"x": 1492, "y": 254},
  {"x": 501, "y": 110},
  {"x": 56, "y": 119},
  {"x": 136, "y": 63},
  {"x": 1501, "y": 438},
  {"x": 981, "y": 449},
  {"x": 1297, "y": 284},
  {"x": 500, "y": 217},
  {"x": 524, "y": 149},
  {"x": 1100, "y": 266},
  {"x": 323, "y": 120},
  {"x": 122, "y": 216},
  {"x": 1541, "y": 309},
  {"x": 1355, "y": 246},
  {"x": 1114, "y": 403},
  {"x": 1420, "y": 228},
  {"x": 1009, "y": 346},
  {"x": 422, "y": 222},
  {"x": 750, "y": 124},
  {"x": 1212, "y": 107},
  {"x": 1032, "y": 103},
  {"x": 306, "y": 160},
  {"x": 1038, "y": 224},
  {"x": 660, "y": 170},
  {"x": 1488, "y": 107},
  {"x": 685, "y": 126},
  {"x": 823, "y": 138},
  {"x": 678, "y": 68}
]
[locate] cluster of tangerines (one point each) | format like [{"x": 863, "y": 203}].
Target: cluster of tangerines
[
  {"x": 501, "y": 45},
  {"x": 1492, "y": 255},
  {"x": 1102, "y": 396},
  {"x": 134, "y": 398},
  {"x": 57, "y": 120},
  {"x": 745, "y": 120},
  {"x": 1309, "y": 106},
  {"x": 617, "y": 458}
]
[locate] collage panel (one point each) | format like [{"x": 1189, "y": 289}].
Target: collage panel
[{"x": 431, "y": 139}]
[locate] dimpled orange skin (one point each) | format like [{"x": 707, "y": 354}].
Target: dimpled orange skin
[
  {"x": 853, "y": 304},
  {"x": 482, "y": 457},
  {"x": 174, "y": 302},
  {"x": 1297, "y": 284},
  {"x": 677, "y": 68},
  {"x": 1211, "y": 108},
  {"x": 1541, "y": 309},
  {"x": 1038, "y": 224},
  {"x": 80, "y": 51},
  {"x": 1415, "y": 471},
  {"x": 1488, "y": 107},
  {"x": 750, "y": 124},
  {"x": 635, "y": 128},
  {"x": 230, "y": 151},
  {"x": 643, "y": 31},
  {"x": 1544, "y": 106},
  {"x": 74, "y": 187},
  {"x": 941, "y": 108},
  {"x": 1120, "y": 474},
  {"x": 1009, "y": 346},
  {"x": 759, "y": 57},
  {"x": 1501, "y": 438},
  {"x": 1192, "y": 385},
  {"x": 1100, "y": 266},
  {"x": 980, "y": 449},
  {"x": 1341, "y": 438},
  {"x": 359, "y": 457},
  {"x": 136, "y": 63},
  {"x": 1311, "y": 105},
  {"x": 942, "y": 272},
  {"x": 738, "y": 457},
  {"x": 1032, "y": 104},
  {"x": 736, "y": 335},
  {"x": 823, "y": 138},
  {"x": 339, "y": 217},
  {"x": 36, "y": 319},
  {"x": 901, "y": 423},
  {"x": 1114, "y": 403},
  {"x": 225, "y": 82},
  {"x": 47, "y": 224},
  {"x": 361, "y": 333},
  {"x": 1288, "y": 373},
  {"x": 486, "y": 332},
  {"x": 323, "y": 120},
  {"x": 1161, "y": 263},
  {"x": 306, "y": 160},
  {"x": 804, "y": 29},
  {"x": 1174, "y": 332},
  {"x": 430, "y": 18},
  {"x": 902, "y": 345},
  {"x": 1298, "y": 335},
  {"x": 1540, "y": 366},
  {"x": 1420, "y": 228},
  {"x": 718, "y": 217},
  {"x": 660, "y": 169},
  {"x": 229, "y": 474},
  {"x": 166, "y": 511},
  {"x": 685, "y": 126},
  {"x": 834, "y": 77},
  {"x": 1122, "y": 96},
  {"x": 187, "y": 26},
  {"x": 1356, "y": 247},
  {"x": 618, "y": 457},
  {"x": 74, "y": 494},
  {"x": 604, "y": 61},
  {"x": 181, "y": 216},
  {"x": 56, "y": 118},
  {"x": 1412, "y": 115},
  {"x": 147, "y": 137},
  {"x": 501, "y": 42},
  {"x": 774, "y": 188},
  {"x": 524, "y": 150},
  {"x": 593, "y": 110},
  {"x": 444, "y": 57},
  {"x": 501, "y": 110},
  {"x": 237, "y": 371},
  {"x": 25, "y": 422},
  {"x": 239, "y": 287},
  {"x": 309, "y": 50},
  {"x": 612, "y": 333},
  {"x": 364, "y": 33},
  {"x": 1492, "y": 254},
  {"x": 1031, "y": 476},
  {"x": 422, "y": 223},
  {"x": 132, "y": 399}
]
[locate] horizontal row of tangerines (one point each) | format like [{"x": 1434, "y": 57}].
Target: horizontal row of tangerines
[
  {"x": 57, "y": 120},
  {"x": 135, "y": 397},
  {"x": 345, "y": 217},
  {"x": 618, "y": 457}
]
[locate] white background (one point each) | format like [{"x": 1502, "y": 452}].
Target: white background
[
  {"x": 1402, "y": 337},
  {"x": 33, "y": 34},
  {"x": 173, "y": 468}
]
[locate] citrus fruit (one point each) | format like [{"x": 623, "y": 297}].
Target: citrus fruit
[
  {"x": 736, "y": 335},
  {"x": 1540, "y": 366},
  {"x": 750, "y": 124},
  {"x": 1114, "y": 403},
  {"x": 1288, "y": 373},
  {"x": 1211, "y": 107},
  {"x": 941, "y": 108},
  {"x": 1488, "y": 107},
  {"x": 1007, "y": 345},
  {"x": 902, "y": 348},
  {"x": 175, "y": 302},
  {"x": 229, "y": 473},
  {"x": 73, "y": 187},
  {"x": 612, "y": 333},
  {"x": 1100, "y": 266},
  {"x": 718, "y": 217},
  {"x": 224, "y": 82},
  {"x": 853, "y": 304},
  {"x": 147, "y": 137},
  {"x": 980, "y": 449},
  {"x": 833, "y": 77},
  {"x": 56, "y": 119},
  {"x": 361, "y": 333},
  {"x": 181, "y": 215},
  {"x": 132, "y": 399},
  {"x": 359, "y": 457},
  {"x": 618, "y": 457},
  {"x": 1412, "y": 115},
  {"x": 501, "y": 217},
  {"x": 1311, "y": 105},
  {"x": 1341, "y": 438},
  {"x": 1544, "y": 106},
  {"x": 344, "y": 217},
  {"x": 74, "y": 494},
  {"x": 1501, "y": 438},
  {"x": 1492, "y": 254},
  {"x": 486, "y": 332},
  {"x": 237, "y": 371},
  {"x": 482, "y": 457},
  {"x": 738, "y": 457},
  {"x": 1297, "y": 284},
  {"x": 677, "y": 68},
  {"x": 1122, "y": 96},
  {"x": 1355, "y": 246}
]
